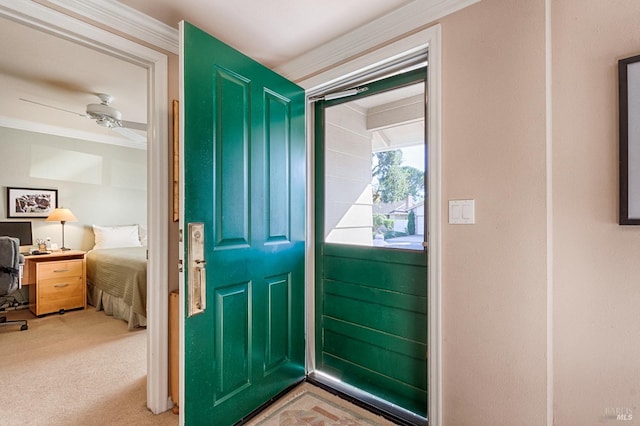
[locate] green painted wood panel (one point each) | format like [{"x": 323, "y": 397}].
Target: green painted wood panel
[
  {"x": 376, "y": 315},
  {"x": 407, "y": 397},
  {"x": 403, "y": 301},
  {"x": 278, "y": 323},
  {"x": 233, "y": 349},
  {"x": 278, "y": 140},
  {"x": 244, "y": 174},
  {"x": 384, "y": 360},
  {"x": 377, "y": 274},
  {"x": 232, "y": 132}
]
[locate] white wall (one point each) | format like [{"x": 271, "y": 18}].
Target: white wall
[
  {"x": 494, "y": 283},
  {"x": 596, "y": 262},
  {"x": 348, "y": 215},
  {"x": 546, "y": 276},
  {"x": 101, "y": 184}
]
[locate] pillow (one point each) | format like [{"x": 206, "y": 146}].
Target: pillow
[
  {"x": 142, "y": 235},
  {"x": 116, "y": 236}
]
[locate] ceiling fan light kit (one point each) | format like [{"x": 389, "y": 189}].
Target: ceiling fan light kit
[{"x": 105, "y": 115}]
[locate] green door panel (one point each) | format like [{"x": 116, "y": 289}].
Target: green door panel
[
  {"x": 373, "y": 322},
  {"x": 244, "y": 174},
  {"x": 232, "y": 114}
]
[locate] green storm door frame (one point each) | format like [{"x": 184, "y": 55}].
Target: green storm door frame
[
  {"x": 244, "y": 171},
  {"x": 370, "y": 302}
]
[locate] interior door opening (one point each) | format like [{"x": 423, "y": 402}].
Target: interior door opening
[
  {"x": 155, "y": 62},
  {"x": 371, "y": 258}
]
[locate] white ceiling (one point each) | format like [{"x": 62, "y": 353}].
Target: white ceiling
[
  {"x": 42, "y": 68},
  {"x": 272, "y": 32},
  {"x": 60, "y": 73}
]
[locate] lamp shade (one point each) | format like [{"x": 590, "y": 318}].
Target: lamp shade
[{"x": 61, "y": 215}]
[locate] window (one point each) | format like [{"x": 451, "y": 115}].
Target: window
[{"x": 375, "y": 168}]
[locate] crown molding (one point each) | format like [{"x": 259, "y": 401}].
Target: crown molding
[
  {"x": 396, "y": 24},
  {"x": 126, "y": 19},
  {"x": 392, "y": 26}
]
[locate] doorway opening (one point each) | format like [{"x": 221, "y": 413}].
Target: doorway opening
[
  {"x": 155, "y": 63},
  {"x": 371, "y": 259}
]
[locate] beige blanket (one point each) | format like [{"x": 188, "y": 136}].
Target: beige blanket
[{"x": 121, "y": 272}]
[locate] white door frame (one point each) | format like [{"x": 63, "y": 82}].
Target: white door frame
[
  {"x": 430, "y": 40},
  {"x": 56, "y": 23}
]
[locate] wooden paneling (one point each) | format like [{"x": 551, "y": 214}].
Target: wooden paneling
[
  {"x": 278, "y": 333},
  {"x": 374, "y": 322},
  {"x": 231, "y": 173},
  {"x": 277, "y": 141},
  {"x": 232, "y": 339}
]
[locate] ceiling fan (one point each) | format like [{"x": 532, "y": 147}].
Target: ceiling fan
[{"x": 106, "y": 116}]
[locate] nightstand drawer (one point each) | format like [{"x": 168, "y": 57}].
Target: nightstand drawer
[
  {"x": 56, "y": 282},
  {"x": 59, "y": 269},
  {"x": 55, "y": 294}
]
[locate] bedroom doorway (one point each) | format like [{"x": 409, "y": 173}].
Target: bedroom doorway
[{"x": 57, "y": 24}]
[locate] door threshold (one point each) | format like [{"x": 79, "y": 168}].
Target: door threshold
[
  {"x": 366, "y": 400},
  {"x": 268, "y": 403}
]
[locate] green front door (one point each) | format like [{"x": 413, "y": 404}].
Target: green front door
[{"x": 244, "y": 179}]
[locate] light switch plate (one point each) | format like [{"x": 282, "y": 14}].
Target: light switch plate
[{"x": 462, "y": 212}]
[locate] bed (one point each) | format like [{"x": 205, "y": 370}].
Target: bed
[{"x": 117, "y": 278}]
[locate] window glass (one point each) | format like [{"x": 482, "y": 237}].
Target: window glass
[{"x": 375, "y": 170}]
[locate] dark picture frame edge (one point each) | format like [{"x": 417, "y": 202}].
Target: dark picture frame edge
[
  {"x": 13, "y": 193},
  {"x": 624, "y": 137}
]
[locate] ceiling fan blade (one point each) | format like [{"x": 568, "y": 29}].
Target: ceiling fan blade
[
  {"x": 133, "y": 125},
  {"x": 130, "y": 134},
  {"x": 54, "y": 107}
]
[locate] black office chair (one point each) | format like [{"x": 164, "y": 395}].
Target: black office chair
[{"x": 11, "y": 263}]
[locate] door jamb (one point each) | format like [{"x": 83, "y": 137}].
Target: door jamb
[
  {"x": 58, "y": 24},
  {"x": 429, "y": 38}
]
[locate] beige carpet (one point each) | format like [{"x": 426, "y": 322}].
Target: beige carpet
[
  {"x": 86, "y": 368},
  {"x": 80, "y": 368},
  {"x": 310, "y": 405}
]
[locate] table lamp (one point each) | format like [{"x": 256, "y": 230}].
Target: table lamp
[{"x": 62, "y": 215}]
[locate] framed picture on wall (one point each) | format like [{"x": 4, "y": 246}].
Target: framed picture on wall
[
  {"x": 629, "y": 98},
  {"x": 31, "y": 202}
]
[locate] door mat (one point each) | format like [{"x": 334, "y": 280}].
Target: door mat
[{"x": 310, "y": 405}]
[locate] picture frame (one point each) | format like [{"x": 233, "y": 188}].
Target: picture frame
[
  {"x": 31, "y": 202},
  {"x": 629, "y": 156}
]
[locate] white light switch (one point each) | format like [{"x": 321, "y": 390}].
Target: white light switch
[{"x": 462, "y": 212}]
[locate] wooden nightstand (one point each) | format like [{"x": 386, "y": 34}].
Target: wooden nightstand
[{"x": 57, "y": 281}]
